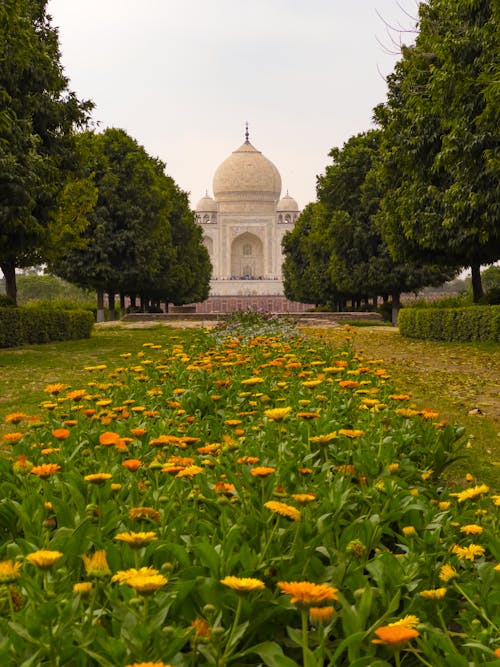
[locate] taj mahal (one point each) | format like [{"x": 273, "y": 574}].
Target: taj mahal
[{"x": 243, "y": 225}]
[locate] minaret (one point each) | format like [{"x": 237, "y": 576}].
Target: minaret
[{"x": 246, "y": 133}]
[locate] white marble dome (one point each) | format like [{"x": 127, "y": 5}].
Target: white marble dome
[
  {"x": 287, "y": 204},
  {"x": 246, "y": 173},
  {"x": 206, "y": 205}
]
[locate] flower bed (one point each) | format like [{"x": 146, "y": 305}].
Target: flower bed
[{"x": 246, "y": 497}]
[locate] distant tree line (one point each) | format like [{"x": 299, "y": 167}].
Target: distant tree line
[
  {"x": 93, "y": 207},
  {"x": 412, "y": 202}
]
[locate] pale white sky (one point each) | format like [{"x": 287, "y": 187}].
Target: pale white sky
[{"x": 183, "y": 76}]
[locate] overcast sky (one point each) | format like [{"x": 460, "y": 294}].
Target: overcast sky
[{"x": 183, "y": 76}]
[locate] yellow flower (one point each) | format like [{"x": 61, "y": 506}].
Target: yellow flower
[
  {"x": 308, "y": 415},
  {"x": 123, "y": 575},
  {"x": 393, "y": 467},
  {"x": 44, "y": 559},
  {"x": 201, "y": 628},
  {"x": 408, "y": 531},
  {"x": 149, "y": 664},
  {"x": 321, "y": 614},
  {"x": 283, "y": 509},
  {"x": 307, "y": 594},
  {"x": 471, "y": 494},
  {"x": 146, "y": 584},
  {"x": 137, "y": 540},
  {"x": 96, "y": 565},
  {"x": 471, "y": 529},
  {"x": 55, "y": 389},
  {"x": 396, "y": 636},
  {"x": 190, "y": 471},
  {"x": 9, "y": 571},
  {"x": 351, "y": 433},
  {"x": 98, "y": 477},
  {"x": 144, "y": 513},
  {"x": 82, "y": 588},
  {"x": 76, "y": 395},
  {"x": 323, "y": 439},
  {"x": 253, "y": 380},
  {"x": 13, "y": 437},
  {"x": 444, "y": 505},
  {"x": 277, "y": 414},
  {"x": 304, "y": 498},
  {"x": 433, "y": 594},
  {"x": 468, "y": 553},
  {"x": 409, "y": 621},
  {"x": 447, "y": 572},
  {"x": 243, "y": 585}
]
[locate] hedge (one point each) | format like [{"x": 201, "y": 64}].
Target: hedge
[
  {"x": 480, "y": 323},
  {"x": 21, "y": 326}
]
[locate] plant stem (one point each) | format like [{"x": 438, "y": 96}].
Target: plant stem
[
  {"x": 228, "y": 648},
  {"x": 480, "y": 611}
]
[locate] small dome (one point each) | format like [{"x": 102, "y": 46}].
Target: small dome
[
  {"x": 206, "y": 205},
  {"x": 247, "y": 173},
  {"x": 287, "y": 203}
]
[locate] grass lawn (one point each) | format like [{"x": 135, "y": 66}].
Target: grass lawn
[{"x": 454, "y": 379}]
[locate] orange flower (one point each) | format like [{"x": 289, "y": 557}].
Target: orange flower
[
  {"x": 307, "y": 594},
  {"x": 396, "y": 636},
  {"x": 13, "y": 437},
  {"x": 321, "y": 614},
  {"x": 132, "y": 464},
  {"x": 348, "y": 384},
  {"x": 45, "y": 470},
  {"x": 137, "y": 432},
  {"x": 262, "y": 471},
  {"x": 55, "y": 388},
  {"x": 61, "y": 433},
  {"x": 109, "y": 438},
  {"x": 76, "y": 395},
  {"x": 201, "y": 628},
  {"x": 283, "y": 510},
  {"x": 14, "y": 418}
]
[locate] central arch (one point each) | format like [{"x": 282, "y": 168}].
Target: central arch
[{"x": 247, "y": 257}]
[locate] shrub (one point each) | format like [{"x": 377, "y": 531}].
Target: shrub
[
  {"x": 20, "y": 326},
  {"x": 477, "y": 323},
  {"x": 6, "y": 301}
]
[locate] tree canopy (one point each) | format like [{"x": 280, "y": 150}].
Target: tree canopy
[
  {"x": 142, "y": 238},
  {"x": 441, "y": 164},
  {"x": 38, "y": 162}
]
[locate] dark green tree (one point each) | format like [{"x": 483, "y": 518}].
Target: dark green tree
[
  {"x": 141, "y": 238},
  {"x": 441, "y": 165},
  {"x": 38, "y": 116}
]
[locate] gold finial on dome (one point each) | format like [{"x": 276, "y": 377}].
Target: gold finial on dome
[{"x": 246, "y": 133}]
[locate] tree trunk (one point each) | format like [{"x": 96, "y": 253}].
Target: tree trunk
[
  {"x": 100, "y": 306},
  {"x": 9, "y": 272},
  {"x": 477, "y": 285},
  {"x": 122, "y": 301},
  {"x": 111, "y": 305},
  {"x": 396, "y": 307}
]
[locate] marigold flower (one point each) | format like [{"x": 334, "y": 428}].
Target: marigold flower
[
  {"x": 144, "y": 513},
  {"x": 82, "y": 588},
  {"x": 468, "y": 553},
  {"x": 138, "y": 432},
  {"x": 122, "y": 575},
  {"x": 45, "y": 470},
  {"x": 201, "y": 628},
  {"x": 321, "y": 614},
  {"x": 146, "y": 584},
  {"x": 262, "y": 471},
  {"x": 248, "y": 459},
  {"x": 393, "y": 467},
  {"x": 471, "y": 494},
  {"x": 13, "y": 437},
  {"x": 76, "y": 395},
  {"x": 444, "y": 505},
  {"x": 447, "y": 572},
  {"x": 408, "y": 531},
  {"x": 232, "y": 422},
  {"x": 351, "y": 433},
  {"x": 396, "y": 636},
  {"x": 409, "y": 621},
  {"x": 15, "y": 417},
  {"x": 252, "y": 381},
  {"x": 9, "y": 571},
  {"x": 324, "y": 438},
  {"x": 400, "y": 397},
  {"x": 433, "y": 594},
  {"x": 149, "y": 664},
  {"x": 190, "y": 471},
  {"x": 305, "y": 471},
  {"x": 61, "y": 433},
  {"x": 308, "y": 415},
  {"x": 96, "y": 565},
  {"x": 137, "y": 540},
  {"x": 109, "y": 438},
  {"x": 21, "y": 464},
  {"x": 304, "y": 498},
  {"x": 243, "y": 585},
  {"x": 132, "y": 464},
  {"x": 307, "y": 594},
  {"x": 55, "y": 389},
  {"x": 98, "y": 477},
  {"x": 471, "y": 529},
  {"x": 283, "y": 510},
  {"x": 44, "y": 559},
  {"x": 277, "y": 414}
]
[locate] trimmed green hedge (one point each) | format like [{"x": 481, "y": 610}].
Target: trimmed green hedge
[
  {"x": 21, "y": 326},
  {"x": 480, "y": 323}
]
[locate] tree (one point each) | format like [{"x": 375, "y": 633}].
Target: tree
[
  {"x": 441, "y": 164},
  {"x": 142, "y": 238},
  {"x": 38, "y": 115},
  {"x": 361, "y": 264}
]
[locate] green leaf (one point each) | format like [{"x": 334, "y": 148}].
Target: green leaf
[{"x": 272, "y": 655}]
